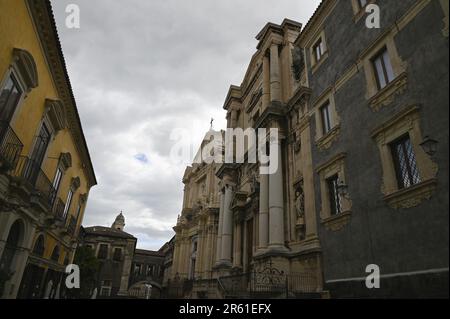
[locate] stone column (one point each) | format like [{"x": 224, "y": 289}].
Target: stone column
[
  {"x": 276, "y": 210},
  {"x": 208, "y": 249},
  {"x": 263, "y": 228},
  {"x": 176, "y": 257},
  {"x": 266, "y": 82},
  {"x": 275, "y": 86},
  {"x": 219, "y": 232},
  {"x": 233, "y": 118},
  {"x": 227, "y": 227},
  {"x": 200, "y": 250},
  {"x": 237, "y": 246}
]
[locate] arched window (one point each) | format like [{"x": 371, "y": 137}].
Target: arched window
[
  {"x": 39, "y": 246},
  {"x": 55, "y": 254},
  {"x": 12, "y": 243}
]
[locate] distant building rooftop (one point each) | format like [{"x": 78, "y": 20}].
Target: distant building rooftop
[{"x": 107, "y": 231}]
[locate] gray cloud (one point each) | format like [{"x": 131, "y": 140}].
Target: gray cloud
[{"x": 141, "y": 68}]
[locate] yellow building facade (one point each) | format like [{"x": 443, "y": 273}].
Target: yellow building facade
[{"x": 45, "y": 167}]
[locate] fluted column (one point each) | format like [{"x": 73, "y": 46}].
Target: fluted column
[
  {"x": 219, "y": 232},
  {"x": 276, "y": 210},
  {"x": 275, "y": 86},
  {"x": 227, "y": 227},
  {"x": 263, "y": 228}
]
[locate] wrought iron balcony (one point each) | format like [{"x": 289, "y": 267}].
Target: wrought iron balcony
[
  {"x": 30, "y": 172},
  {"x": 10, "y": 147}
]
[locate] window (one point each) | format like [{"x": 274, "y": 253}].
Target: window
[
  {"x": 68, "y": 202},
  {"x": 326, "y": 118},
  {"x": 55, "y": 254},
  {"x": 37, "y": 156},
  {"x": 149, "y": 270},
  {"x": 105, "y": 289},
  {"x": 39, "y": 246},
  {"x": 405, "y": 162},
  {"x": 117, "y": 254},
  {"x": 9, "y": 98},
  {"x": 335, "y": 202},
  {"x": 102, "y": 251},
  {"x": 56, "y": 183},
  {"x": 319, "y": 50},
  {"x": 383, "y": 68}
]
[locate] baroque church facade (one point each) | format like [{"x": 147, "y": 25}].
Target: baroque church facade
[{"x": 362, "y": 178}]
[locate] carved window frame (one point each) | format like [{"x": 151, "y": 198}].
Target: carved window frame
[
  {"x": 335, "y": 166},
  {"x": 324, "y": 141},
  {"x": 404, "y": 122},
  {"x": 377, "y": 97},
  {"x": 315, "y": 64}
]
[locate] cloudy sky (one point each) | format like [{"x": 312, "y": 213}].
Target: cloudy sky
[{"x": 142, "y": 68}]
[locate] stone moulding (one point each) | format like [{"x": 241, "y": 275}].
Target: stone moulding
[
  {"x": 412, "y": 196},
  {"x": 327, "y": 140},
  {"x": 337, "y": 222},
  {"x": 386, "y": 96}
]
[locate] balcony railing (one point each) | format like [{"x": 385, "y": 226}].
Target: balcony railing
[
  {"x": 268, "y": 284},
  {"x": 10, "y": 147},
  {"x": 30, "y": 171}
]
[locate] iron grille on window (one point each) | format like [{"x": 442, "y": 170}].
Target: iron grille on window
[
  {"x": 335, "y": 201},
  {"x": 405, "y": 162}
]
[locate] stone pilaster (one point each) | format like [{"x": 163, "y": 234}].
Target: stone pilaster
[
  {"x": 275, "y": 83},
  {"x": 219, "y": 232},
  {"x": 263, "y": 227}
]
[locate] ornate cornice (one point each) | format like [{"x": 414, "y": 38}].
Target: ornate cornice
[{"x": 43, "y": 18}]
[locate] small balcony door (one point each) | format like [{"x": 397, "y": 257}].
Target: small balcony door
[{"x": 37, "y": 156}]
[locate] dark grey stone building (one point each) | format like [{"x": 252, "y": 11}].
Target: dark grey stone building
[{"x": 379, "y": 109}]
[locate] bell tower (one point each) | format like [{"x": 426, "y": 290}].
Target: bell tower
[{"x": 119, "y": 223}]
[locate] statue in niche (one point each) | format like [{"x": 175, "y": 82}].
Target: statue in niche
[
  {"x": 254, "y": 182},
  {"x": 300, "y": 202}
]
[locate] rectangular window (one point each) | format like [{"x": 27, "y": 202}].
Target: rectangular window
[
  {"x": 405, "y": 162},
  {"x": 105, "y": 290},
  {"x": 68, "y": 203},
  {"x": 102, "y": 251},
  {"x": 9, "y": 98},
  {"x": 55, "y": 184},
  {"x": 383, "y": 69},
  {"x": 117, "y": 254},
  {"x": 335, "y": 201},
  {"x": 326, "y": 118},
  {"x": 319, "y": 50},
  {"x": 37, "y": 156}
]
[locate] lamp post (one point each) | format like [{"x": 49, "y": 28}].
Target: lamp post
[
  {"x": 429, "y": 145},
  {"x": 342, "y": 189}
]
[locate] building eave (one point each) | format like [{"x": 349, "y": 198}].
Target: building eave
[{"x": 44, "y": 20}]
